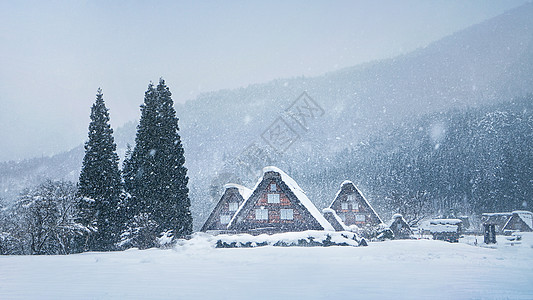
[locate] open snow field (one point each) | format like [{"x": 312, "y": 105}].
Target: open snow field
[{"x": 411, "y": 269}]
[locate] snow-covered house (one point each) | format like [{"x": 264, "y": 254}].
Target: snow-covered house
[
  {"x": 509, "y": 221},
  {"x": 519, "y": 221},
  {"x": 352, "y": 207},
  {"x": 400, "y": 228},
  {"x": 277, "y": 204},
  {"x": 234, "y": 195},
  {"x": 497, "y": 219},
  {"x": 446, "y": 229}
]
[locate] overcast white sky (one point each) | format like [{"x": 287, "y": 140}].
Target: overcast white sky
[{"x": 55, "y": 54}]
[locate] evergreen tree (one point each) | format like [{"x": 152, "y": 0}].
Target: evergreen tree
[
  {"x": 100, "y": 181},
  {"x": 155, "y": 174}
]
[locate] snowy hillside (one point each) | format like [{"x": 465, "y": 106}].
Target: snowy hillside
[
  {"x": 484, "y": 64},
  {"x": 409, "y": 269}
]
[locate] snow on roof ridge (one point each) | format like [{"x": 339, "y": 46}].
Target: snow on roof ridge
[
  {"x": 346, "y": 182},
  {"x": 446, "y": 221},
  {"x": 271, "y": 168},
  {"x": 244, "y": 191},
  {"x": 443, "y": 228},
  {"x": 497, "y": 214},
  {"x": 299, "y": 193},
  {"x": 394, "y": 217},
  {"x": 233, "y": 185}
]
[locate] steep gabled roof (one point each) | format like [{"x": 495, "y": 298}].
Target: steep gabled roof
[
  {"x": 396, "y": 217},
  {"x": 244, "y": 191},
  {"x": 525, "y": 216},
  {"x": 230, "y": 189},
  {"x": 446, "y": 221},
  {"x": 399, "y": 226},
  {"x": 296, "y": 191},
  {"x": 348, "y": 185}
]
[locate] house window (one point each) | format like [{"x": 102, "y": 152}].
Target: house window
[
  {"x": 261, "y": 214},
  {"x": 224, "y": 219},
  {"x": 355, "y": 205},
  {"x": 351, "y": 198},
  {"x": 233, "y": 206},
  {"x": 344, "y": 205},
  {"x": 287, "y": 214},
  {"x": 273, "y": 198},
  {"x": 360, "y": 218},
  {"x": 273, "y": 187}
]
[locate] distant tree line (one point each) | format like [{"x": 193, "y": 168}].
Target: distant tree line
[{"x": 145, "y": 205}]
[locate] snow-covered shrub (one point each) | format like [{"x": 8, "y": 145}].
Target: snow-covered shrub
[
  {"x": 44, "y": 220},
  {"x": 140, "y": 233},
  {"x": 380, "y": 232},
  {"x": 166, "y": 240}
]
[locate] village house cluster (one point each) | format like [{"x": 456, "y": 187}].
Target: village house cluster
[{"x": 277, "y": 204}]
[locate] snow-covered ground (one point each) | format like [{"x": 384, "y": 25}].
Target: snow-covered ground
[{"x": 412, "y": 269}]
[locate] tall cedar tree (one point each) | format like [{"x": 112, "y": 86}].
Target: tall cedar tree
[
  {"x": 100, "y": 181},
  {"x": 155, "y": 174}
]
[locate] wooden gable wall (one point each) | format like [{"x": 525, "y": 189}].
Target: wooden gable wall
[
  {"x": 259, "y": 215},
  {"x": 353, "y": 208},
  {"x": 224, "y": 210}
]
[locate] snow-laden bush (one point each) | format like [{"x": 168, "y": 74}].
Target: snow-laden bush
[
  {"x": 380, "y": 232},
  {"x": 140, "y": 232},
  {"x": 44, "y": 221},
  {"x": 166, "y": 240}
]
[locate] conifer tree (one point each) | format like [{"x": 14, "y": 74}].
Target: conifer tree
[
  {"x": 155, "y": 174},
  {"x": 100, "y": 181}
]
